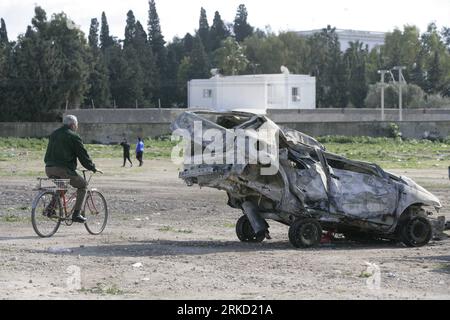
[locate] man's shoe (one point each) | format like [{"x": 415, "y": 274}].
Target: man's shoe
[
  {"x": 50, "y": 209},
  {"x": 50, "y": 212},
  {"x": 77, "y": 217}
]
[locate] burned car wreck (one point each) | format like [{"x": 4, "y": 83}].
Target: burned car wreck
[{"x": 311, "y": 190}]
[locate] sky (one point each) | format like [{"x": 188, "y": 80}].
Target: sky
[{"x": 177, "y": 17}]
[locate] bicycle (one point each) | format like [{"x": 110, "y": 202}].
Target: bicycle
[{"x": 51, "y": 207}]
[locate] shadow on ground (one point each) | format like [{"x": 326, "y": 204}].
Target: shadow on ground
[{"x": 189, "y": 247}]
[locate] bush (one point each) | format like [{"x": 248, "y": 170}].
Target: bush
[{"x": 412, "y": 96}]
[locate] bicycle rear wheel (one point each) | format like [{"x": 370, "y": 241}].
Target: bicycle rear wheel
[
  {"x": 46, "y": 214},
  {"x": 96, "y": 212}
]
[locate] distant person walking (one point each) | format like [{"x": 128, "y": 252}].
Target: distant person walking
[
  {"x": 126, "y": 152},
  {"x": 140, "y": 151}
]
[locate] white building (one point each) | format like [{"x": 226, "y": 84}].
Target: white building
[
  {"x": 254, "y": 93},
  {"x": 370, "y": 38}
]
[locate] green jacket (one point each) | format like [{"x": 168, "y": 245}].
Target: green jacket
[{"x": 64, "y": 147}]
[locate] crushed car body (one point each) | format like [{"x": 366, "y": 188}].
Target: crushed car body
[{"x": 311, "y": 190}]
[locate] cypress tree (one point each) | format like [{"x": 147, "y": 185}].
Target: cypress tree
[
  {"x": 155, "y": 37},
  {"x": 241, "y": 28},
  {"x": 130, "y": 29},
  {"x": 3, "y": 32},
  {"x": 199, "y": 61},
  {"x": 355, "y": 58},
  {"x": 93, "y": 33},
  {"x": 99, "y": 92},
  {"x": 156, "y": 42},
  {"x": 203, "y": 30},
  {"x": 147, "y": 63},
  {"x": 219, "y": 32},
  {"x": 106, "y": 40},
  {"x": 188, "y": 43}
]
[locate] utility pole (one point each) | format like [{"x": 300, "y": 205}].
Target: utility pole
[
  {"x": 401, "y": 80},
  {"x": 382, "y": 73}
]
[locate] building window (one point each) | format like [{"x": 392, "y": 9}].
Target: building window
[
  {"x": 207, "y": 93},
  {"x": 295, "y": 94}
]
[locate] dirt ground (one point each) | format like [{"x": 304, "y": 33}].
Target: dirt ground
[{"x": 165, "y": 240}]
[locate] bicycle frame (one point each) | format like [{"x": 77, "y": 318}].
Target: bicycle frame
[{"x": 61, "y": 194}]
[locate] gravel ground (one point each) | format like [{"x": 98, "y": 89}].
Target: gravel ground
[{"x": 165, "y": 240}]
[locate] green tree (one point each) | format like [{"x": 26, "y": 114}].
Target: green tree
[
  {"x": 203, "y": 30},
  {"x": 200, "y": 65},
  {"x": 265, "y": 55},
  {"x": 219, "y": 32},
  {"x": 355, "y": 58},
  {"x": 183, "y": 76},
  {"x": 130, "y": 29},
  {"x": 98, "y": 93},
  {"x": 230, "y": 58},
  {"x": 417, "y": 75},
  {"x": 402, "y": 48},
  {"x": 446, "y": 36},
  {"x": 296, "y": 52},
  {"x": 147, "y": 63},
  {"x": 106, "y": 40},
  {"x": 51, "y": 67},
  {"x": 188, "y": 43},
  {"x": 3, "y": 33},
  {"x": 435, "y": 74},
  {"x": 328, "y": 67},
  {"x": 157, "y": 43},
  {"x": 93, "y": 34},
  {"x": 241, "y": 27}
]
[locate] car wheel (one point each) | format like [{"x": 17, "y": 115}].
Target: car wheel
[
  {"x": 416, "y": 232},
  {"x": 244, "y": 231},
  {"x": 304, "y": 233}
]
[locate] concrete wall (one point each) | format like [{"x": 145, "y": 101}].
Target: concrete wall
[
  {"x": 277, "y": 115},
  {"x": 409, "y": 129},
  {"x": 90, "y": 132},
  {"x": 348, "y": 115},
  {"x": 128, "y": 116},
  {"x": 110, "y": 126},
  {"x": 114, "y": 132}
]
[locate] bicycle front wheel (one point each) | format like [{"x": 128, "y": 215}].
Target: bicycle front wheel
[
  {"x": 96, "y": 212},
  {"x": 46, "y": 213}
]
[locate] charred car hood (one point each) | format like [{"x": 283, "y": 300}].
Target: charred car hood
[{"x": 419, "y": 193}]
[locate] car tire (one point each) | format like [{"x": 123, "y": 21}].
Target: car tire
[
  {"x": 416, "y": 231},
  {"x": 245, "y": 233},
  {"x": 305, "y": 233}
]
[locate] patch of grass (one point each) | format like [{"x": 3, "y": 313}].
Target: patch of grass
[
  {"x": 165, "y": 229},
  {"x": 443, "y": 267},
  {"x": 101, "y": 288},
  {"x": 386, "y": 152},
  {"x": 113, "y": 290},
  {"x": 390, "y": 152},
  {"x": 229, "y": 225},
  {"x": 365, "y": 274},
  {"x": 11, "y": 218},
  {"x": 171, "y": 229},
  {"x": 183, "y": 231}
]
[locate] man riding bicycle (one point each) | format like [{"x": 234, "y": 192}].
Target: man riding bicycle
[{"x": 64, "y": 148}]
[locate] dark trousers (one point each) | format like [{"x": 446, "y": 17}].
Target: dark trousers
[
  {"x": 126, "y": 156},
  {"x": 76, "y": 181},
  {"x": 139, "y": 156}
]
